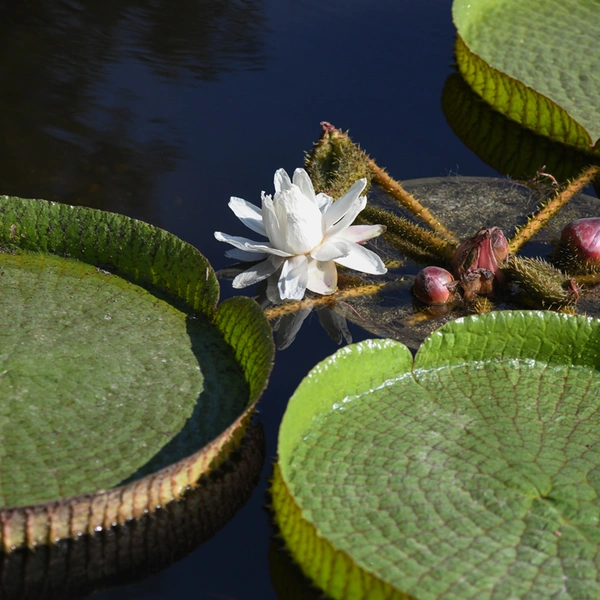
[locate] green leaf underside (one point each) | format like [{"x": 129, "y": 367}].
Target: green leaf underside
[
  {"x": 504, "y": 144},
  {"x": 97, "y": 375},
  {"x": 550, "y": 47},
  {"x": 474, "y": 475}
]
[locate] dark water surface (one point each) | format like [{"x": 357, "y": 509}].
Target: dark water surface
[{"x": 162, "y": 110}]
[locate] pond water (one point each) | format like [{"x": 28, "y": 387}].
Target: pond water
[{"x": 162, "y": 110}]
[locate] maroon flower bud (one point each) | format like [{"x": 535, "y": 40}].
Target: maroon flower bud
[
  {"x": 431, "y": 285},
  {"x": 487, "y": 249},
  {"x": 583, "y": 238}
]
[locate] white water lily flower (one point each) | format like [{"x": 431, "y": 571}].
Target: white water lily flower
[{"x": 308, "y": 233}]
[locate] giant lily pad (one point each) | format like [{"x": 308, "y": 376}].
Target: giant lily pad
[
  {"x": 122, "y": 382},
  {"x": 471, "y": 472},
  {"x": 535, "y": 61}
]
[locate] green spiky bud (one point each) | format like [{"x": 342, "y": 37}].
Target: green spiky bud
[
  {"x": 336, "y": 162},
  {"x": 539, "y": 284}
]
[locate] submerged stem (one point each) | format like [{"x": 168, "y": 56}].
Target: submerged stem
[{"x": 550, "y": 208}]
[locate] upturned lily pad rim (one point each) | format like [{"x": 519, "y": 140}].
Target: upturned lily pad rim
[
  {"x": 574, "y": 341},
  {"x": 511, "y": 96},
  {"x": 170, "y": 533},
  {"x": 63, "y": 230}
]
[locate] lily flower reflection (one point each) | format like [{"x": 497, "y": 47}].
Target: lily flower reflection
[
  {"x": 307, "y": 235},
  {"x": 287, "y": 319}
]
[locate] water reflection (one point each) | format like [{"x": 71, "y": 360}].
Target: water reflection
[
  {"x": 80, "y": 39},
  {"x": 286, "y": 317},
  {"x": 71, "y": 129},
  {"x": 288, "y": 580}
]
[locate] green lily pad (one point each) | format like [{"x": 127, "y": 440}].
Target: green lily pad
[
  {"x": 535, "y": 61},
  {"x": 121, "y": 381},
  {"x": 472, "y": 472}
]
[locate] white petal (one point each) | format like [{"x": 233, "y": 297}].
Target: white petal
[
  {"x": 249, "y": 245},
  {"x": 248, "y": 214},
  {"x": 322, "y": 277},
  {"x": 331, "y": 250},
  {"x": 282, "y": 180},
  {"x": 348, "y": 218},
  {"x": 258, "y": 272},
  {"x": 360, "y": 233},
  {"x": 271, "y": 222},
  {"x": 243, "y": 255},
  {"x": 293, "y": 279},
  {"x": 339, "y": 208},
  {"x": 361, "y": 259},
  {"x": 302, "y": 180},
  {"x": 300, "y": 221},
  {"x": 323, "y": 202}
]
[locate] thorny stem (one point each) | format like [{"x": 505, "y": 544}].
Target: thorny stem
[
  {"x": 550, "y": 208},
  {"x": 290, "y": 308},
  {"x": 414, "y": 241},
  {"x": 591, "y": 279},
  {"x": 408, "y": 201}
]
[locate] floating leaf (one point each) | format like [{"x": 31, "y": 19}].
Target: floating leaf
[
  {"x": 122, "y": 382},
  {"x": 535, "y": 61},
  {"x": 472, "y": 472}
]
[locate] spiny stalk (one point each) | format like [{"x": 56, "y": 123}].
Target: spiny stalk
[
  {"x": 588, "y": 279},
  {"x": 408, "y": 201},
  {"x": 410, "y": 239},
  {"x": 290, "y": 308},
  {"x": 538, "y": 219}
]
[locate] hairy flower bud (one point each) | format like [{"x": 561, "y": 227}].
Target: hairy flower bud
[
  {"x": 431, "y": 285},
  {"x": 582, "y": 237}
]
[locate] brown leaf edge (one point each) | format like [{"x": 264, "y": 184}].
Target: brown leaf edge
[{"x": 124, "y": 554}]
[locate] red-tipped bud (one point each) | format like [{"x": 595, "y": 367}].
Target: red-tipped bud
[
  {"x": 431, "y": 285},
  {"x": 487, "y": 249},
  {"x": 583, "y": 238}
]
